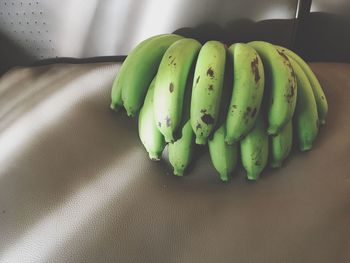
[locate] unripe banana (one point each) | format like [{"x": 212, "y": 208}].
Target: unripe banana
[
  {"x": 137, "y": 72},
  {"x": 281, "y": 145},
  {"x": 180, "y": 152},
  {"x": 171, "y": 84},
  {"x": 116, "y": 94},
  {"x": 129, "y": 62},
  {"x": 248, "y": 90},
  {"x": 320, "y": 97},
  {"x": 255, "y": 149},
  {"x": 283, "y": 91},
  {"x": 223, "y": 156},
  {"x": 306, "y": 117},
  {"x": 207, "y": 89},
  {"x": 149, "y": 134}
]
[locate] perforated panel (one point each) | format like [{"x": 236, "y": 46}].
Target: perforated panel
[{"x": 28, "y": 25}]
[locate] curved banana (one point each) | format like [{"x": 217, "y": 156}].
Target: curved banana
[
  {"x": 306, "y": 117},
  {"x": 283, "y": 91},
  {"x": 180, "y": 152},
  {"x": 255, "y": 149},
  {"x": 116, "y": 94},
  {"x": 281, "y": 145},
  {"x": 149, "y": 134},
  {"x": 247, "y": 94},
  {"x": 207, "y": 89},
  {"x": 223, "y": 156},
  {"x": 171, "y": 84},
  {"x": 137, "y": 72},
  {"x": 320, "y": 97}
]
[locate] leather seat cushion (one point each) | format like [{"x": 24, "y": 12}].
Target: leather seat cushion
[{"x": 76, "y": 184}]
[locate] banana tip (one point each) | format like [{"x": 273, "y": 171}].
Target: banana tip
[
  {"x": 114, "y": 107},
  {"x": 252, "y": 177},
  {"x": 154, "y": 157},
  {"x": 272, "y": 131},
  {"x": 305, "y": 148},
  {"x": 178, "y": 172},
  {"x": 201, "y": 141},
  {"x": 224, "y": 178}
]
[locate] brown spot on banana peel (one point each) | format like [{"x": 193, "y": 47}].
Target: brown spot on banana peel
[
  {"x": 207, "y": 119},
  {"x": 211, "y": 87},
  {"x": 255, "y": 69},
  {"x": 282, "y": 54},
  {"x": 198, "y": 79},
  {"x": 246, "y": 114},
  {"x": 234, "y": 107},
  {"x": 199, "y": 126},
  {"x": 210, "y": 72},
  {"x": 203, "y": 111},
  {"x": 253, "y": 112},
  {"x": 167, "y": 121},
  {"x": 291, "y": 93},
  {"x": 171, "y": 87}
]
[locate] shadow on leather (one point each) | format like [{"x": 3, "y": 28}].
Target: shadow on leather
[
  {"x": 22, "y": 96},
  {"x": 62, "y": 156}
]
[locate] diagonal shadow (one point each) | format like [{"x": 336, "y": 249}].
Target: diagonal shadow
[{"x": 62, "y": 156}]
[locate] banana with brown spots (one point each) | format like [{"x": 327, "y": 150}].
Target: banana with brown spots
[
  {"x": 320, "y": 97},
  {"x": 170, "y": 85},
  {"x": 306, "y": 117},
  {"x": 247, "y": 94},
  {"x": 282, "y": 85},
  {"x": 207, "y": 89}
]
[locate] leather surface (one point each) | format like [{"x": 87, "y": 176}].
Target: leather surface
[{"x": 77, "y": 186}]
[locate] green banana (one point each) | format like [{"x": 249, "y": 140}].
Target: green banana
[
  {"x": 223, "y": 156},
  {"x": 116, "y": 94},
  {"x": 320, "y": 97},
  {"x": 171, "y": 84},
  {"x": 207, "y": 89},
  {"x": 149, "y": 134},
  {"x": 180, "y": 152},
  {"x": 283, "y": 91},
  {"x": 137, "y": 72},
  {"x": 118, "y": 83},
  {"x": 281, "y": 145},
  {"x": 306, "y": 116},
  {"x": 255, "y": 149},
  {"x": 247, "y": 94}
]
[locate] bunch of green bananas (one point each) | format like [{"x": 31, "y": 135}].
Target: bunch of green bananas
[{"x": 244, "y": 99}]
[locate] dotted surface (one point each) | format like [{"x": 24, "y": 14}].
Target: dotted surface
[{"x": 26, "y": 24}]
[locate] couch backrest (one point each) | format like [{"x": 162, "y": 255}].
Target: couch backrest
[{"x": 40, "y": 29}]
